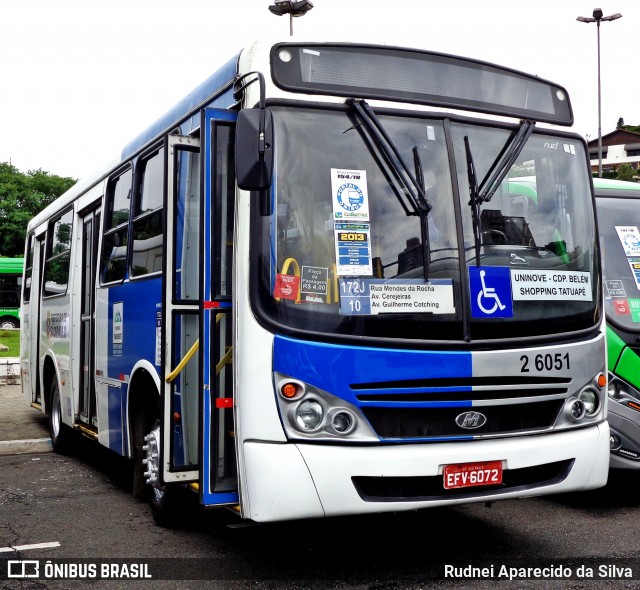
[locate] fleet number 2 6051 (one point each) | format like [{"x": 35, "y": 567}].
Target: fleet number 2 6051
[{"x": 545, "y": 362}]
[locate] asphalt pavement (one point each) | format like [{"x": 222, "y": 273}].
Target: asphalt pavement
[{"x": 23, "y": 429}]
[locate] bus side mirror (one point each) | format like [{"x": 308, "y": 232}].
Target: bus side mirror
[{"x": 254, "y": 149}]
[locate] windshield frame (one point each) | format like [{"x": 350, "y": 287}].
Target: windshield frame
[{"x": 259, "y": 294}]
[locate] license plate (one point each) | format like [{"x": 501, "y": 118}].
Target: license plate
[{"x": 465, "y": 475}]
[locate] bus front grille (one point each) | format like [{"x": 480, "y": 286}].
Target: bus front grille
[{"x": 417, "y": 423}]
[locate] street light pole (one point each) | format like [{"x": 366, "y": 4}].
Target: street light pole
[
  {"x": 292, "y": 8},
  {"x": 597, "y": 17}
]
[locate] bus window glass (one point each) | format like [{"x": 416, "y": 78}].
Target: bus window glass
[
  {"x": 224, "y": 187},
  {"x": 187, "y": 227},
  {"x": 56, "y": 270},
  {"x": 114, "y": 243},
  {"x": 148, "y": 226},
  {"x": 539, "y": 224},
  {"x": 305, "y": 235},
  {"x": 28, "y": 270},
  {"x": 120, "y": 190},
  {"x": 619, "y": 224}
]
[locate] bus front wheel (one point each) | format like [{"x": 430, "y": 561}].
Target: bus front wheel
[{"x": 164, "y": 500}]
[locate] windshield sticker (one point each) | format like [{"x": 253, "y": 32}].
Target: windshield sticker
[
  {"x": 630, "y": 239},
  {"x": 615, "y": 288},
  {"x": 314, "y": 283},
  {"x": 634, "y": 307},
  {"x": 534, "y": 285},
  {"x": 377, "y": 296},
  {"x": 634, "y": 263},
  {"x": 287, "y": 287},
  {"x": 490, "y": 290},
  {"x": 621, "y": 307},
  {"x": 349, "y": 195},
  {"x": 353, "y": 249}
]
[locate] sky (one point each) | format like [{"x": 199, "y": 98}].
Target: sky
[{"x": 80, "y": 78}]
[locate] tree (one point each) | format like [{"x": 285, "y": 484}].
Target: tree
[
  {"x": 625, "y": 172},
  {"x": 22, "y": 196}
]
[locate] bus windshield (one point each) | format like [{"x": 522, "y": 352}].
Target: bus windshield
[
  {"x": 618, "y": 222},
  {"x": 342, "y": 252}
]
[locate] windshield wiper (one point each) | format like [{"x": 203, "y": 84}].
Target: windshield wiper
[
  {"x": 413, "y": 189},
  {"x": 483, "y": 192}
]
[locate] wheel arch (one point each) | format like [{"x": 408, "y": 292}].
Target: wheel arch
[{"x": 143, "y": 396}]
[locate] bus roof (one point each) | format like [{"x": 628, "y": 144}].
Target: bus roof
[
  {"x": 196, "y": 99},
  {"x": 608, "y": 187},
  {"x": 11, "y": 265}
]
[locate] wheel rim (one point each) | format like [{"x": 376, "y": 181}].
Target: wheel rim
[{"x": 151, "y": 460}]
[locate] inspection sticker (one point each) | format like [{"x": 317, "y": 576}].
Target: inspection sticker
[
  {"x": 349, "y": 195},
  {"x": 630, "y": 239},
  {"x": 353, "y": 249}
]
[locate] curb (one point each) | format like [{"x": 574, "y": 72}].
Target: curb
[{"x": 22, "y": 447}]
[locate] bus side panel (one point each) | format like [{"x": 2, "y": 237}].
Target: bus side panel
[
  {"x": 127, "y": 319},
  {"x": 55, "y": 325}
]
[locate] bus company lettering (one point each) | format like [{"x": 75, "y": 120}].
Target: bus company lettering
[
  {"x": 545, "y": 284},
  {"x": 57, "y": 325}
]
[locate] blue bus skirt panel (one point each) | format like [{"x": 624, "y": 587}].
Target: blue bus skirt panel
[{"x": 345, "y": 371}]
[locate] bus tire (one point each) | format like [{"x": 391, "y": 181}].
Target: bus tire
[
  {"x": 165, "y": 502},
  {"x": 59, "y": 432},
  {"x": 9, "y": 323},
  {"x": 140, "y": 489}
]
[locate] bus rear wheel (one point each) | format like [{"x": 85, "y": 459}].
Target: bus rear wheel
[{"x": 59, "y": 432}]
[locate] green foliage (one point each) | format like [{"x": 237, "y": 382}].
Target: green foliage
[
  {"x": 22, "y": 196},
  {"x": 633, "y": 128},
  {"x": 10, "y": 338},
  {"x": 626, "y": 172}
]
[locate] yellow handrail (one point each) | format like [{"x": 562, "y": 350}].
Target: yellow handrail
[{"x": 187, "y": 357}]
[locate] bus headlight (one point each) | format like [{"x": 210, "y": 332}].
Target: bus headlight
[
  {"x": 590, "y": 400},
  {"x": 309, "y": 414},
  {"x": 576, "y": 410},
  {"x": 342, "y": 422}
]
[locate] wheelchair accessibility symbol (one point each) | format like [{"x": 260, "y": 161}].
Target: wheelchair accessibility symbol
[{"x": 490, "y": 288}]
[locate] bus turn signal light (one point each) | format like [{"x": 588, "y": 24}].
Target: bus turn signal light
[
  {"x": 289, "y": 390},
  {"x": 602, "y": 380}
]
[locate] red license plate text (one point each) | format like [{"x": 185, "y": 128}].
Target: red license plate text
[{"x": 465, "y": 475}]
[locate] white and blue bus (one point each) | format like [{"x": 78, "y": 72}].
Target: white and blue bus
[{"x": 308, "y": 291}]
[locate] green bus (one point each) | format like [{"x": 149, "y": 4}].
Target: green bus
[
  {"x": 10, "y": 289},
  {"x": 618, "y": 210}
]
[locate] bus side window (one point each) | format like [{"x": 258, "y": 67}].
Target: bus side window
[
  {"x": 28, "y": 266},
  {"x": 56, "y": 268},
  {"x": 114, "y": 244},
  {"x": 147, "y": 234}
]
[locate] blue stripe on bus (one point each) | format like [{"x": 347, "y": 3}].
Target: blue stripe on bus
[
  {"x": 335, "y": 368},
  {"x": 115, "y": 409}
]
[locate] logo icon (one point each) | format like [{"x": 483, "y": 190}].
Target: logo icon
[
  {"x": 490, "y": 290},
  {"x": 471, "y": 420}
]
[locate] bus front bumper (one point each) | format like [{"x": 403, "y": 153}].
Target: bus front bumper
[{"x": 293, "y": 481}]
